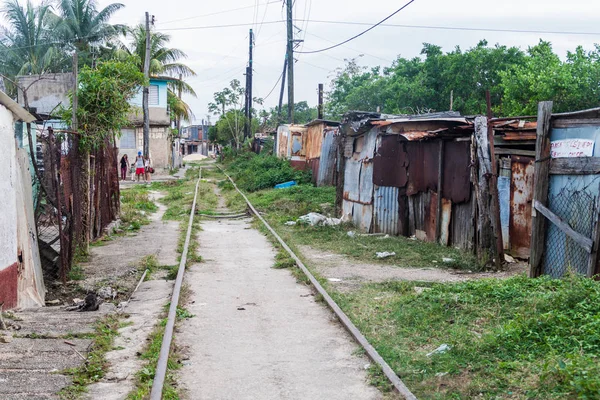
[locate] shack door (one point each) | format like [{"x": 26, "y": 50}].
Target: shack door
[{"x": 521, "y": 197}]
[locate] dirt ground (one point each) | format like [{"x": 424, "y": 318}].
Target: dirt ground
[
  {"x": 346, "y": 274},
  {"x": 258, "y": 333}
]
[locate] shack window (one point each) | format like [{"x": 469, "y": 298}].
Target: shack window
[
  {"x": 127, "y": 139},
  {"x": 153, "y": 95}
]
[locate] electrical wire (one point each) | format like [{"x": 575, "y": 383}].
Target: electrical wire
[
  {"x": 215, "y": 13},
  {"x": 459, "y": 28},
  {"x": 274, "y": 86},
  {"x": 350, "y": 48},
  {"x": 220, "y": 26},
  {"x": 360, "y": 34}
]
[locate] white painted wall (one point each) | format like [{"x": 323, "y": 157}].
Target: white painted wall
[
  {"x": 8, "y": 181},
  {"x": 31, "y": 291}
]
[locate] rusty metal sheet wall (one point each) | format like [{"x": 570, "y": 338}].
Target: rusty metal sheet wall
[
  {"x": 417, "y": 205},
  {"x": 521, "y": 197},
  {"x": 313, "y": 141},
  {"x": 386, "y": 210},
  {"x": 462, "y": 225},
  {"x": 423, "y": 165},
  {"x": 390, "y": 165},
  {"x": 358, "y": 180},
  {"x": 327, "y": 164},
  {"x": 457, "y": 171},
  {"x": 363, "y": 216},
  {"x": 313, "y": 165}
]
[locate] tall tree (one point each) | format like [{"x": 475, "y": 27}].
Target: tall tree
[
  {"x": 82, "y": 24},
  {"x": 26, "y": 43},
  {"x": 573, "y": 84}
]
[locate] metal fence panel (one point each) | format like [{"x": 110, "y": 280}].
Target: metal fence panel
[{"x": 386, "y": 210}]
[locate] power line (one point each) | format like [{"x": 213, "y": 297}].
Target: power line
[
  {"x": 459, "y": 28},
  {"x": 220, "y": 26},
  {"x": 362, "y": 33},
  {"x": 274, "y": 86},
  {"x": 216, "y": 13},
  {"x": 350, "y": 48}
]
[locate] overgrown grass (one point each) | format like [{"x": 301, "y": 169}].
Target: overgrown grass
[
  {"x": 281, "y": 205},
  {"x": 106, "y": 329},
  {"x": 514, "y": 338},
  {"x": 254, "y": 172},
  {"x": 135, "y": 207}
]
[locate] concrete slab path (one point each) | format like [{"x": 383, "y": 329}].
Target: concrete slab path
[{"x": 257, "y": 333}]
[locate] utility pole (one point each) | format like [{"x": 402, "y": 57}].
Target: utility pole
[
  {"x": 279, "y": 119},
  {"x": 249, "y": 77},
  {"x": 146, "y": 91},
  {"x": 290, "y": 61},
  {"x": 74, "y": 122},
  {"x": 320, "y": 109}
]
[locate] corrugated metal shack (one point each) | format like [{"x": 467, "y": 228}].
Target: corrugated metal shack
[
  {"x": 394, "y": 169},
  {"x": 313, "y": 146},
  {"x": 514, "y": 141}
]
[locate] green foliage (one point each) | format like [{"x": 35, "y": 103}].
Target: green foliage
[
  {"x": 135, "y": 205},
  {"x": 517, "y": 81},
  {"x": 103, "y": 101},
  {"x": 573, "y": 84},
  {"x": 292, "y": 202},
  {"x": 253, "y": 172},
  {"x": 26, "y": 42},
  {"x": 509, "y": 338}
]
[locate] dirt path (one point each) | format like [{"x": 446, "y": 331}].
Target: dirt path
[
  {"x": 115, "y": 262},
  {"x": 257, "y": 333},
  {"x": 30, "y": 367},
  {"x": 346, "y": 274}
]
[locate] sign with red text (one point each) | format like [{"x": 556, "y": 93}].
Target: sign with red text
[{"x": 571, "y": 148}]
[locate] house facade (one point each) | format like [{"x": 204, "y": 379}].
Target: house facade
[
  {"x": 21, "y": 278},
  {"x": 132, "y": 136}
]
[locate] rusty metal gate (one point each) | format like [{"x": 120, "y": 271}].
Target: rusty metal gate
[{"x": 60, "y": 198}]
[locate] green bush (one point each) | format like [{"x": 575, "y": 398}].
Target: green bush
[{"x": 254, "y": 172}]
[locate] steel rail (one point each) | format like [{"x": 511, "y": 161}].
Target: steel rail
[
  {"x": 369, "y": 349},
  {"x": 163, "y": 358}
]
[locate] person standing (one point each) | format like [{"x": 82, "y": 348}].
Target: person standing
[
  {"x": 139, "y": 166},
  {"x": 148, "y": 168},
  {"x": 124, "y": 167}
]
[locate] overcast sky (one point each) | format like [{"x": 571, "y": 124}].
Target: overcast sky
[{"x": 219, "y": 55}]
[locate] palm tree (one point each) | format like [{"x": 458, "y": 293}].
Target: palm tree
[
  {"x": 26, "y": 44},
  {"x": 163, "y": 61},
  {"x": 82, "y": 24}
]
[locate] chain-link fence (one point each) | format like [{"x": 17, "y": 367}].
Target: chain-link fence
[{"x": 577, "y": 207}]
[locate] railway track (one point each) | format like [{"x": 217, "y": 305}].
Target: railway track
[{"x": 161, "y": 369}]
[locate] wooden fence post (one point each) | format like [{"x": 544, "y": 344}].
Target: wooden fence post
[
  {"x": 540, "y": 188},
  {"x": 485, "y": 231}
]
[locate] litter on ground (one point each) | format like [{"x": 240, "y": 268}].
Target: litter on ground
[
  {"x": 385, "y": 254},
  {"x": 440, "y": 350},
  {"x": 314, "y": 219}
]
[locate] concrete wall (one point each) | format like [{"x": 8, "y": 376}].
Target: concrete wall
[
  {"x": 45, "y": 94},
  {"x": 8, "y": 211},
  {"x": 160, "y": 147},
  {"x": 158, "y": 116},
  {"x": 21, "y": 279},
  {"x": 31, "y": 289}
]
